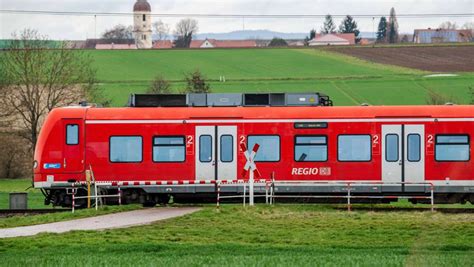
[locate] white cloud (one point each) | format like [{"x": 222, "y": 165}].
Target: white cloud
[{"x": 63, "y": 27}]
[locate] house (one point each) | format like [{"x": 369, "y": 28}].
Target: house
[
  {"x": 115, "y": 46},
  {"x": 213, "y": 43},
  {"x": 163, "y": 44},
  {"x": 296, "y": 43},
  {"x": 333, "y": 39},
  {"x": 431, "y": 36}
]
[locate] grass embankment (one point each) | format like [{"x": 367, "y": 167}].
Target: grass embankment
[
  {"x": 348, "y": 80},
  {"x": 35, "y": 197},
  {"x": 36, "y": 201},
  {"x": 281, "y": 235}
]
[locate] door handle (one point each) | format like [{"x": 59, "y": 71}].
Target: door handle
[
  {"x": 400, "y": 163},
  {"x": 214, "y": 163},
  {"x": 64, "y": 163}
]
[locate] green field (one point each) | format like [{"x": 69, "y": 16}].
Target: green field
[
  {"x": 347, "y": 80},
  {"x": 281, "y": 235},
  {"x": 35, "y": 198}
]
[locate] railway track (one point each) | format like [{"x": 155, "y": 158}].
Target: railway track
[{"x": 9, "y": 213}]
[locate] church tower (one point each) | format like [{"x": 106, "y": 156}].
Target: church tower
[{"x": 142, "y": 24}]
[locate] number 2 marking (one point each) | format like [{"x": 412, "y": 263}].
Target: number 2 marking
[
  {"x": 376, "y": 139},
  {"x": 190, "y": 140},
  {"x": 430, "y": 139},
  {"x": 242, "y": 139}
]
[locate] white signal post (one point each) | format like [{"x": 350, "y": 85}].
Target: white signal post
[{"x": 252, "y": 168}]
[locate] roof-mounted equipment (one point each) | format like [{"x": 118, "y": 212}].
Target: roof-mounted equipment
[{"x": 230, "y": 100}]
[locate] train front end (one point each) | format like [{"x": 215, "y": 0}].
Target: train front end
[{"x": 59, "y": 154}]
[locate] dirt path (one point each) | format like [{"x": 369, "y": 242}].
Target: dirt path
[{"x": 110, "y": 221}]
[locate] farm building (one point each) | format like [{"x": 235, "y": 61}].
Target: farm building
[
  {"x": 209, "y": 43},
  {"x": 333, "y": 39},
  {"x": 213, "y": 43},
  {"x": 163, "y": 44},
  {"x": 115, "y": 46},
  {"x": 430, "y": 36}
]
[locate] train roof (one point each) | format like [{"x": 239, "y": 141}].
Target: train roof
[{"x": 188, "y": 113}]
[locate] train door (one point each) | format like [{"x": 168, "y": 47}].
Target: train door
[
  {"x": 73, "y": 146},
  {"x": 216, "y": 152},
  {"x": 403, "y": 154}
]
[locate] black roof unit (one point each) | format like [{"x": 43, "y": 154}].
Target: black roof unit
[{"x": 230, "y": 100}]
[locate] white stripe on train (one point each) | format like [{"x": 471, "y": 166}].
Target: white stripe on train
[
  {"x": 259, "y": 181},
  {"x": 279, "y": 120}
]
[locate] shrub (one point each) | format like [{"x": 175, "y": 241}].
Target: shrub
[
  {"x": 159, "y": 86},
  {"x": 196, "y": 83}
]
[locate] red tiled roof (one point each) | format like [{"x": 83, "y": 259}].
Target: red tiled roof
[
  {"x": 235, "y": 44},
  {"x": 166, "y": 44},
  {"x": 224, "y": 43},
  {"x": 348, "y": 36},
  {"x": 115, "y": 46}
]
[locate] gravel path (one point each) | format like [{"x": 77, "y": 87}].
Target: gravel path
[{"x": 110, "y": 221}]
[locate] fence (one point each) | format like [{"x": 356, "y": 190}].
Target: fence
[{"x": 350, "y": 188}]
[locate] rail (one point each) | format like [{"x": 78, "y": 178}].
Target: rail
[
  {"x": 245, "y": 184},
  {"x": 350, "y": 186}
]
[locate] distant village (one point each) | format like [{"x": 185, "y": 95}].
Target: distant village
[{"x": 148, "y": 34}]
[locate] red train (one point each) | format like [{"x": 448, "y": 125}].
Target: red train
[{"x": 157, "y": 152}]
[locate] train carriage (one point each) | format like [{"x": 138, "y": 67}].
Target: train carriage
[{"x": 181, "y": 150}]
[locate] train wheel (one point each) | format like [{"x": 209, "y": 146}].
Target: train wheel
[
  {"x": 149, "y": 204},
  {"x": 164, "y": 199}
]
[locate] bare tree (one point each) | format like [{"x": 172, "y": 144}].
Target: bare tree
[
  {"x": 470, "y": 27},
  {"x": 185, "y": 29},
  {"x": 161, "y": 30},
  {"x": 448, "y": 25},
  {"x": 119, "y": 34},
  {"x": 38, "y": 79}
]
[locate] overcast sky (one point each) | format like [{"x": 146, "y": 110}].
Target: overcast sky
[{"x": 64, "y": 27}]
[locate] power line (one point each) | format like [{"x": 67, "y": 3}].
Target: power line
[{"x": 213, "y": 15}]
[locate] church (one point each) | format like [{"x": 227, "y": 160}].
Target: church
[{"x": 142, "y": 24}]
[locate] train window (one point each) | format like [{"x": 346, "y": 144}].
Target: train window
[
  {"x": 169, "y": 149},
  {"x": 269, "y": 150},
  {"x": 391, "y": 147},
  {"x": 227, "y": 148},
  {"x": 205, "y": 148},
  {"x": 126, "y": 149},
  {"x": 354, "y": 148},
  {"x": 311, "y": 148},
  {"x": 72, "y": 134},
  {"x": 414, "y": 147},
  {"x": 452, "y": 148}
]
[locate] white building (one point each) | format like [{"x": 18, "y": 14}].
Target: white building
[
  {"x": 142, "y": 24},
  {"x": 333, "y": 39}
]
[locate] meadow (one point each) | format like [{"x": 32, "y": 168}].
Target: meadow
[
  {"x": 347, "y": 80},
  {"x": 280, "y": 235}
]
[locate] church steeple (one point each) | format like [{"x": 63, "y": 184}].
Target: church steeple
[{"x": 142, "y": 24}]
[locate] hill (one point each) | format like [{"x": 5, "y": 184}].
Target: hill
[{"x": 348, "y": 80}]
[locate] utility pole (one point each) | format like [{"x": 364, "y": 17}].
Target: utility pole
[{"x": 373, "y": 30}]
